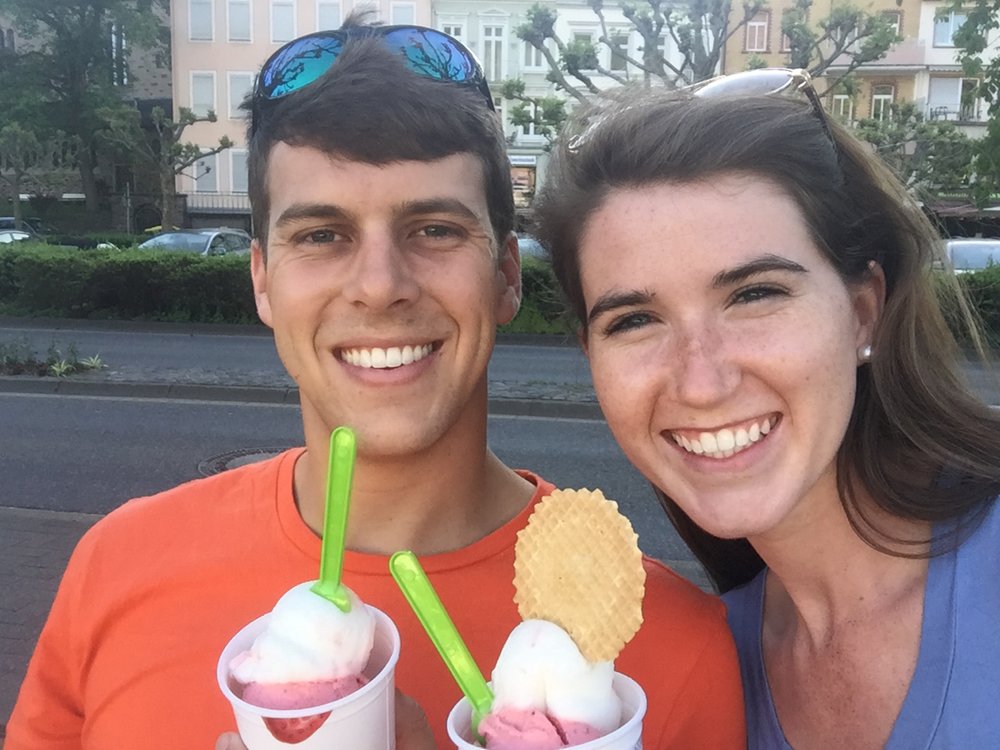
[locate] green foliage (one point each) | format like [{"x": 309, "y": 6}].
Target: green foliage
[
  {"x": 17, "y": 357},
  {"x": 160, "y": 149},
  {"x": 69, "y": 68},
  {"x": 542, "y": 308},
  {"x": 929, "y": 156},
  {"x": 129, "y": 284},
  {"x": 848, "y": 36},
  {"x": 983, "y": 290},
  {"x": 133, "y": 284}
]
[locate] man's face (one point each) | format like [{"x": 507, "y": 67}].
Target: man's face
[{"x": 384, "y": 290}]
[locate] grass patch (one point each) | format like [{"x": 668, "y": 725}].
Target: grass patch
[{"x": 18, "y": 357}]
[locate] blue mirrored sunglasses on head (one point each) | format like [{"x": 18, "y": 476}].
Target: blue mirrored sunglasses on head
[{"x": 427, "y": 52}]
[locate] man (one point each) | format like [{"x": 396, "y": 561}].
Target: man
[{"x": 383, "y": 262}]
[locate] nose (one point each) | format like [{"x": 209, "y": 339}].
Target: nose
[
  {"x": 704, "y": 367},
  {"x": 379, "y": 275}
]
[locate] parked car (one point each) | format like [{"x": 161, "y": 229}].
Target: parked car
[
  {"x": 215, "y": 241},
  {"x": 9, "y": 236},
  {"x": 972, "y": 254},
  {"x": 31, "y": 224}
]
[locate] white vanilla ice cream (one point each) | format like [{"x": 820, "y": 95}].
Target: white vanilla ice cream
[
  {"x": 541, "y": 668},
  {"x": 308, "y": 638}
]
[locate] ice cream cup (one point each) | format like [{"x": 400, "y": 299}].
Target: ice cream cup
[
  {"x": 627, "y": 737},
  {"x": 363, "y": 720}
]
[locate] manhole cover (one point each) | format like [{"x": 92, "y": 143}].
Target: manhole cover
[{"x": 233, "y": 459}]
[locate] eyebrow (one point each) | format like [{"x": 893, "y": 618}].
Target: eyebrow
[
  {"x": 451, "y": 206},
  {"x": 299, "y": 211},
  {"x": 616, "y": 299},
  {"x": 763, "y": 264}
]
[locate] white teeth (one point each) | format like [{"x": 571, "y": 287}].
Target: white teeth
[
  {"x": 708, "y": 442},
  {"x": 381, "y": 359},
  {"x": 725, "y": 442}
]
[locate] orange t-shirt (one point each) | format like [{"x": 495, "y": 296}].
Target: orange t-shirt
[{"x": 155, "y": 590}]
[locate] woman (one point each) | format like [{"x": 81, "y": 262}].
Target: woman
[{"x": 755, "y": 301}]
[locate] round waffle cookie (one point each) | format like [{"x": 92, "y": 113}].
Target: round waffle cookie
[{"x": 577, "y": 563}]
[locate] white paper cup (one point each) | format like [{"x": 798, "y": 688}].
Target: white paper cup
[
  {"x": 363, "y": 720},
  {"x": 627, "y": 737}
]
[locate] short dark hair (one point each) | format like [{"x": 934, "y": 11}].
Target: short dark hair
[
  {"x": 370, "y": 107},
  {"x": 918, "y": 441}
]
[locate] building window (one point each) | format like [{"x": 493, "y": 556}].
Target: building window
[
  {"x": 282, "y": 20},
  {"x": 238, "y": 170},
  {"x": 454, "y": 29},
  {"x": 200, "y": 21},
  {"x": 756, "y": 33},
  {"x": 206, "y": 176},
  {"x": 239, "y": 20},
  {"x": 403, "y": 13},
  {"x": 952, "y": 99},
  {"x": 240, "y": 85},
  {"x": 882, "y": 98},
  {"x": 327, "y": 15},
  {"x": 533, "y": 57},
  {"x": 493, "y": 57},
  {"x": 618, "y": 51},
  {"x": 119, "y": 57},
  {"x": 202, "y": 93},
  {"x": 895, "y": 18},
  {"x": 842, "y": 107},
  {"x": 945, "y": 28}
]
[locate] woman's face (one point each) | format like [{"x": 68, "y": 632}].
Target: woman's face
[{"x": 724, "y": 348}]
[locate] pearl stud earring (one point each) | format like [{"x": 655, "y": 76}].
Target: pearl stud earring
[{"x": 865, "y": 353}]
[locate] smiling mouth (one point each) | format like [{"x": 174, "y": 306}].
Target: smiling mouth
[
  {"x": 378, "y": 358},
  {"x": 725, "y": 442}
]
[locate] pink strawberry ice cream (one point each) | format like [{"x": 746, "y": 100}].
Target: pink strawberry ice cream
[
  {"x": 546, "y": 694},
  {"x": 310, "y": 654}
]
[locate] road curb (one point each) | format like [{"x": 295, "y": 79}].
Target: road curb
[{"x": 516, "y": 407}]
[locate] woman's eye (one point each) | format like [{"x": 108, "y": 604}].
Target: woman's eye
[
  {"x": 627, "y": 322},
  {"x": 757, "y": 293}
]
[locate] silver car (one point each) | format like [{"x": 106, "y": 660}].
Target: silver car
[
  {"x": 966, "y": 255},
  {"x": 221, "y": 241}
]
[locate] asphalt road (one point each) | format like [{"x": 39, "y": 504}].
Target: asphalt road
[{"x": 89, "y": 454}]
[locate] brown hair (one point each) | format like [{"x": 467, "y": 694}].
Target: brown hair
[
  {"x": 918, "y": 441},
  {"x": 370, "y": 107}
]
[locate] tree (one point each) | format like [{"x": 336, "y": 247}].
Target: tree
[
  {"x": 69, "y": 52},
  {"x": 699, "y": 30},
  {"x": 27, "y": 159},
  {"x": 982, "y": 19},
  {"x": 160, "y": 147},
  {"x": 930, "y": 156},
  {"x": 848, "y": 37}
]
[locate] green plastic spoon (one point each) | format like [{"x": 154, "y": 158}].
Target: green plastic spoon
[
  {"x": 426, "y": 604},
  {"x": 339, "y": 472}
]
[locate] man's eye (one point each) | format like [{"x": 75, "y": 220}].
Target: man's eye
[
  {"x": 321, "y": 236},
  {"x": 629, "y": 322},
  {"x": 438, "y": 231}
]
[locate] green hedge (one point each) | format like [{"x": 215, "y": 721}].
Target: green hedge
[
  {"x": 142, "y": 285},
  {"x": 130, "y": 284}
]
